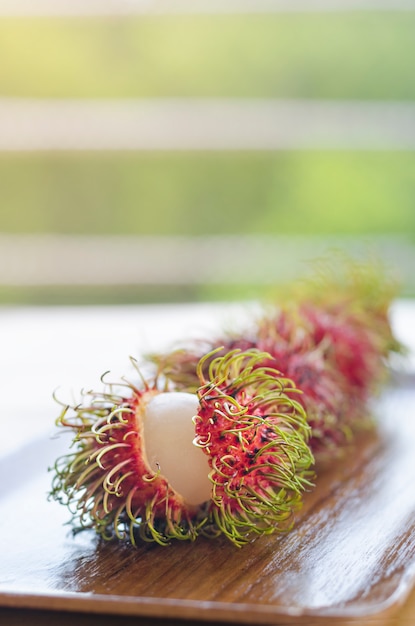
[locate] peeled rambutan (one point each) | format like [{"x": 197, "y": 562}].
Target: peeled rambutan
[{"x": 158, "y": 464}]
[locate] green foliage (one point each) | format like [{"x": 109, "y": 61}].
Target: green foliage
[
  {"x": 324, "y": 55},
  {"x": 196, "y": 194}
]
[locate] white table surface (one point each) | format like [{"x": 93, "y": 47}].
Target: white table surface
[{"x": 44, "y": 349}]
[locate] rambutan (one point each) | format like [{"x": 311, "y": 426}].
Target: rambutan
[
  {"x": 222, "y": 440},
  {"x": 149, "y": 462},
  {"x": 330, "y": 334}
]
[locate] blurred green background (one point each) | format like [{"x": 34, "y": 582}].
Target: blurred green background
[{"x": 358, "y": 56}]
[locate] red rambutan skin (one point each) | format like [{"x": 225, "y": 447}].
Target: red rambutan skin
[
  {"x": 322, "y": 355},
  {"x": 242, "y": 458},
  {"x": 353, "y": 349},
  {"x": 255, "y": 433}
]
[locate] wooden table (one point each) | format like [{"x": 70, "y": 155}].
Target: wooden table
[{"x": 47, "y": 577}]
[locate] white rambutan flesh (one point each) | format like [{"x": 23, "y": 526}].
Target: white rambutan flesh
[{"x": 168, "y": 433}]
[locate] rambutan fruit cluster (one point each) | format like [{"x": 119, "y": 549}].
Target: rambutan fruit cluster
[
  {"x": 223, "y": 439},
  {"x": 330, "y": 334}
]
